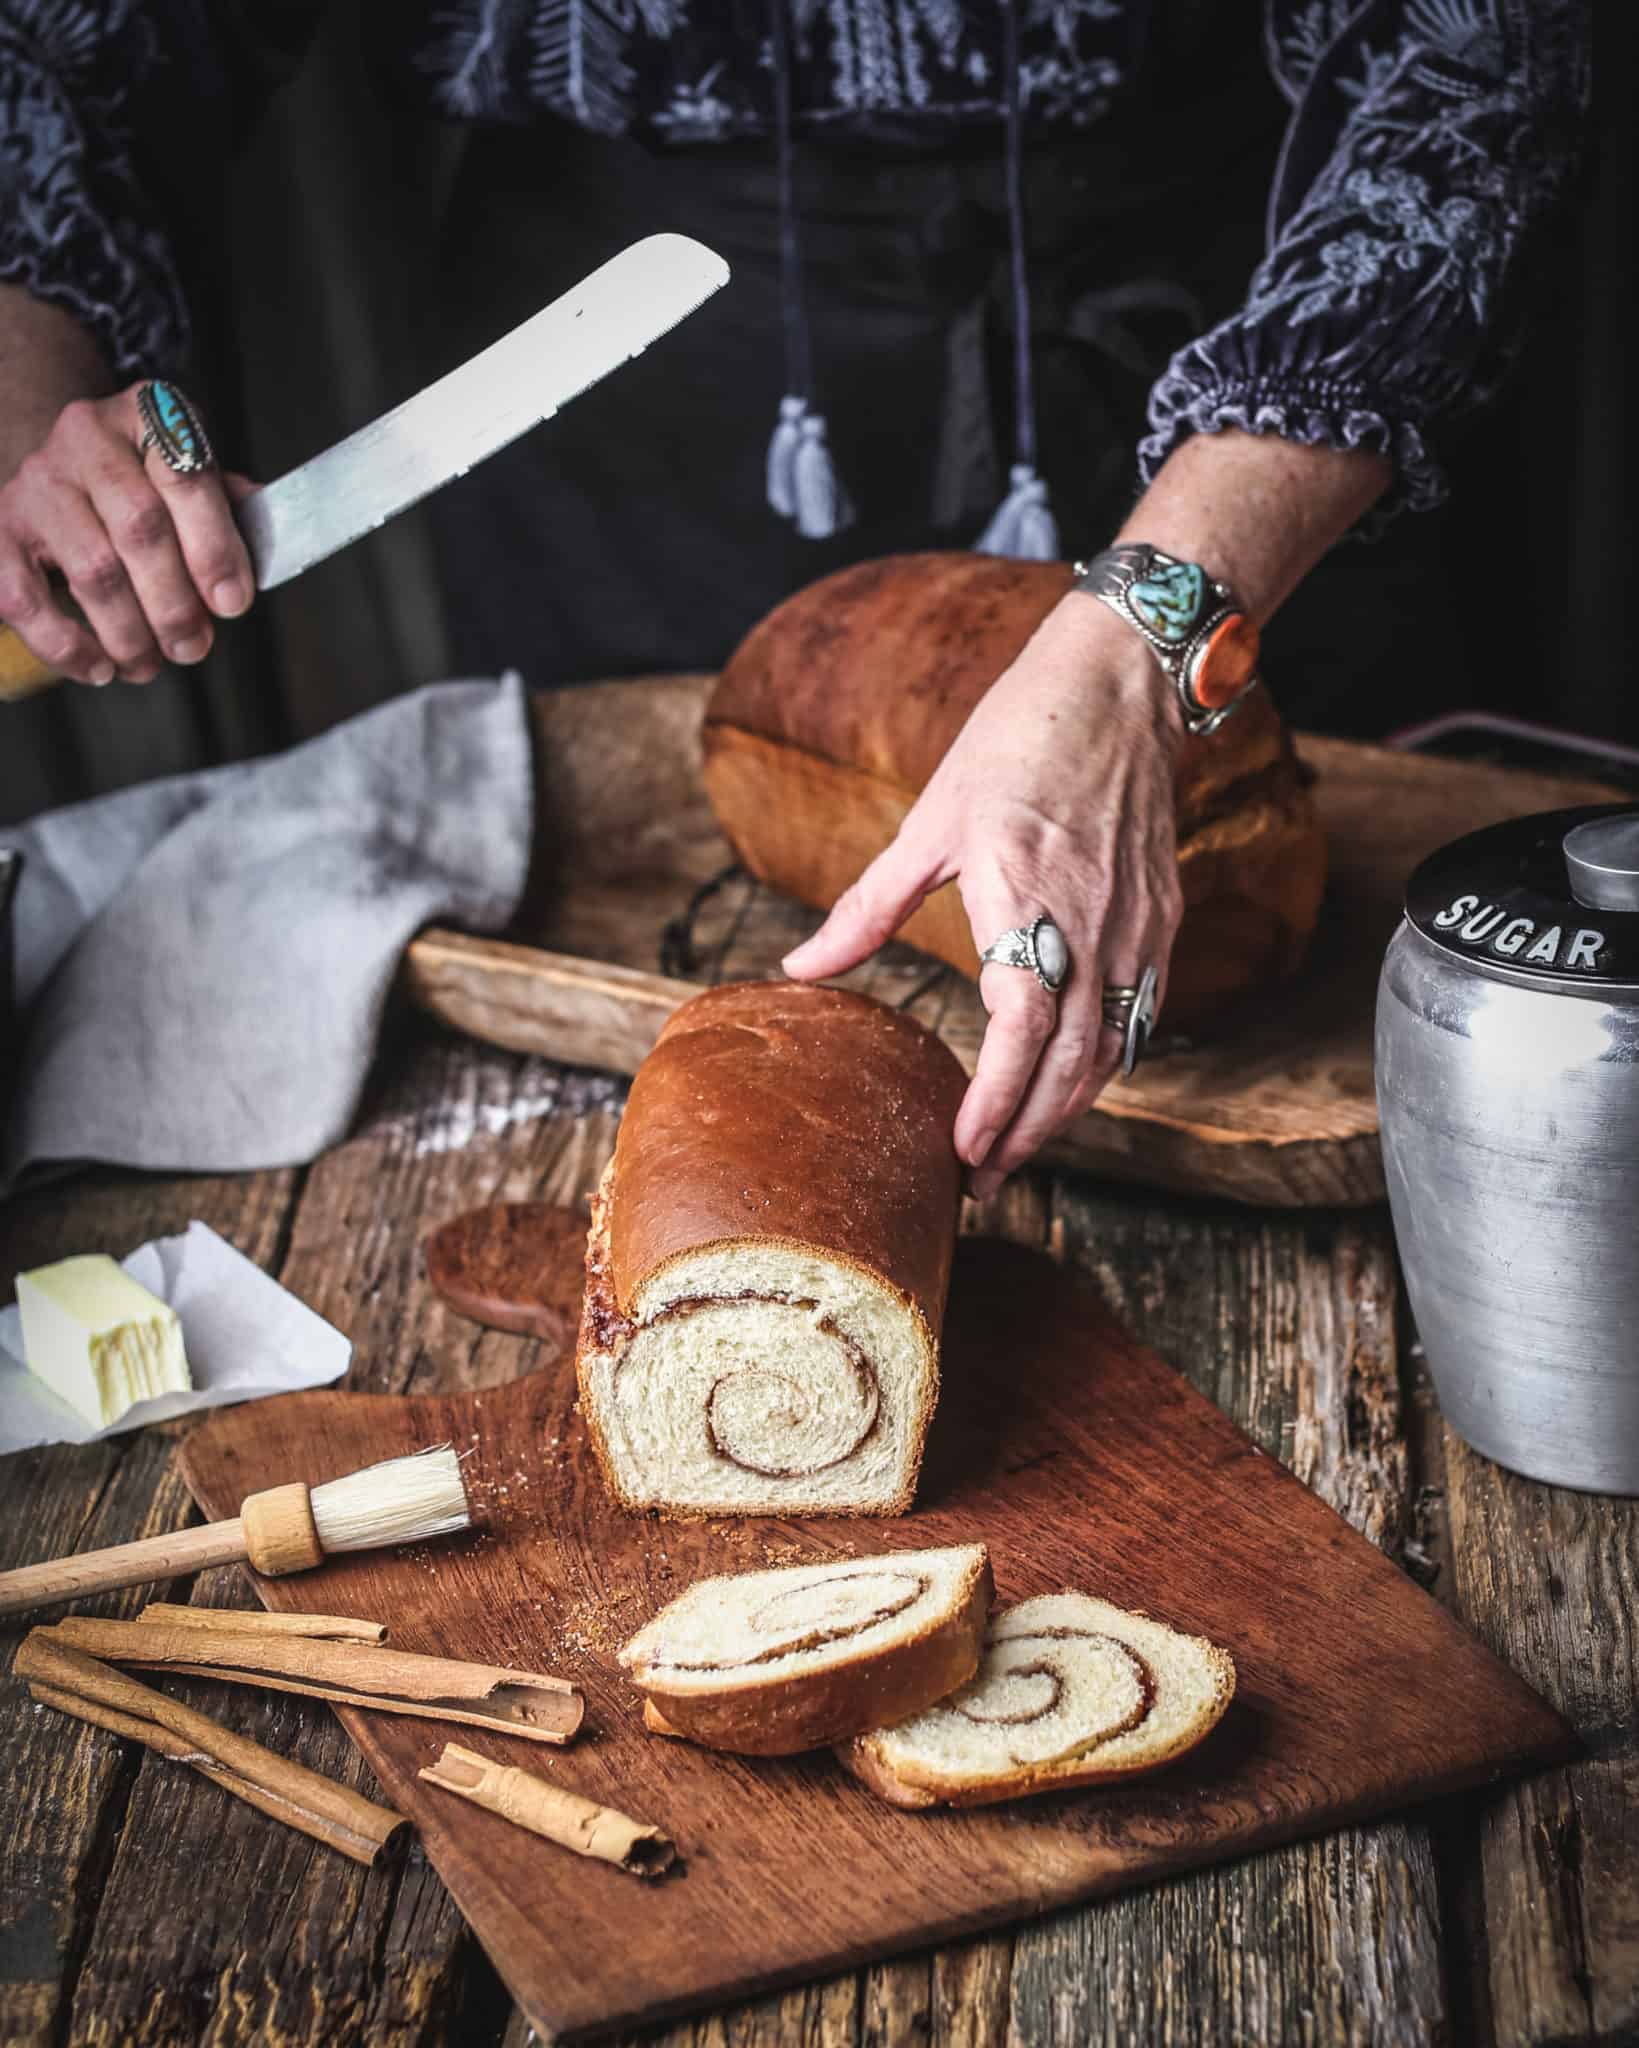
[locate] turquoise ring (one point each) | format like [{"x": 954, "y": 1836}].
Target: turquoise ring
[{"x": 171, "y": 425}]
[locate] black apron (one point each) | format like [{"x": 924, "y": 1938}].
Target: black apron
[{"x": 632, "y": 534}]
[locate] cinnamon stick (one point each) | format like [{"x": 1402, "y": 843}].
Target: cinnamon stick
[
  {"x": 527, "y": 1703},
  {"x": 76, "y": 1684},
  {"x": 253, "y": 1621},
  {"x": 560, "y": 1816}
]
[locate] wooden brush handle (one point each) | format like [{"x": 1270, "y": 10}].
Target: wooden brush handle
[
  {"x": 22, "y": 672},
  {"x": 127, "y": 1564}
]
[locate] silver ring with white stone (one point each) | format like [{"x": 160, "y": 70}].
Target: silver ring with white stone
[
  {"x": 1041, "y": 947},
  {"x": 1131, "y": 1011}
]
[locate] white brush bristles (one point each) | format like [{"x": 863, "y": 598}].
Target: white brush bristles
[{"x": 401, "y": 1500}]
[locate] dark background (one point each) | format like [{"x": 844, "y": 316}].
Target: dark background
[{"x": 319, "y": 322}]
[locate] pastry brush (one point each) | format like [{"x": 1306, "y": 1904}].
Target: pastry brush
[{"x": 285, "y": 1529}]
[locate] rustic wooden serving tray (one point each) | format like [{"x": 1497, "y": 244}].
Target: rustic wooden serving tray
[
  {"x": 1082, "y": 1460},
  {"x": 1278, "y": 1110}
]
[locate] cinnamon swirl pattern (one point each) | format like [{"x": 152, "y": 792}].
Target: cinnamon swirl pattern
[
  {"x": 726, "y": 1396},
  {"x": 1069, "y": 1690},
  {"x": 1046, "y": 1694},
  {"x": 756, "y": 1414},
  {"x": 818, "y": 1607},
  {"x": 773, "y": 1662}
]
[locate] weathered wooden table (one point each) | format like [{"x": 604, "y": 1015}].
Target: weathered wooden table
[{"x": 139, "y": 1904}]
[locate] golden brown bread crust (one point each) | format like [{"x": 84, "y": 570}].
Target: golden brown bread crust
[
  {"x": 769, "y": 1112},
  {"x": 1252, "y": 877},
  {"x": 816, "y": 1709},
  {"x": 877, "y": 667},
  {"x": 655, "y": 1723},
  {"x": 834, "y": 712},
  {"x": 862, "y": 1762}
]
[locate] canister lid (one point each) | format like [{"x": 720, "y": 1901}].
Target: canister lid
[
  {"x": 1602, "y": 858},
  {"x": 1553, "y": 897}
]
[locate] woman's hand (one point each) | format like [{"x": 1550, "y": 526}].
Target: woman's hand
[
  {"x": 1057, "y": 797},
  {"x": 152, "y": 558}
]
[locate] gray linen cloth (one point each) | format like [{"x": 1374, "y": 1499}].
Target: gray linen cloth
[{"x": 203, "y": 962}]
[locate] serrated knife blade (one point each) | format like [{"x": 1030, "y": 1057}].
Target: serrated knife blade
[{"x": 455, "y": 423}]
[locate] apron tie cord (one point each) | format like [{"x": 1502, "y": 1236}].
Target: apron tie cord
[
  {"x": 802, "y": 481},
  {"x": 1023, "y": 524}
]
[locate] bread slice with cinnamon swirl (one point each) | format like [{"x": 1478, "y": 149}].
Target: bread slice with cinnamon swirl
[
  {"x": 1070, "y": 1691},
  {"x": 769, "y": 1254},
  {"x": 774, "y": 1662}
]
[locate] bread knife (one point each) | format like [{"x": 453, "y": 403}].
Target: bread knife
[{"x": 349, "y": 490}]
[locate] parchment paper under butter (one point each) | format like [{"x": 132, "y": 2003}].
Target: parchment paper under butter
[{"x": 245, "y": 1336}]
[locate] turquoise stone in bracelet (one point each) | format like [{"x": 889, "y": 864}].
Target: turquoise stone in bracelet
[
  {"x": 171, "y": 424},
  {"x": 1168, "y": 600}
]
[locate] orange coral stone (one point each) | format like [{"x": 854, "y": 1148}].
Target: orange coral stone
[{"x": 1226, "y": 664}]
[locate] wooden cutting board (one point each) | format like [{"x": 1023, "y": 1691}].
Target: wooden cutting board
[
  {"x": 1277, "y": 1109},
  {"x": 1082, "y": 1460}
]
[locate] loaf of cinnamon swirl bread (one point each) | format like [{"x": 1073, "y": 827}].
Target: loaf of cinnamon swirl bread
[
  {"x": 768, "y": 1259},
  {"x": 770, "y": 1663},
  {"x": 1070, "y": 1691}
]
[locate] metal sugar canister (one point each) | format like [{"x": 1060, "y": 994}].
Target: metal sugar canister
[{"x": 1508, "y": 1093}]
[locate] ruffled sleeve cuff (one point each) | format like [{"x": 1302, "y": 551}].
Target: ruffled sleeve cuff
[
  {"x": 75, "y": 227},
  {"x": 1190, "y": 398},
  {"x": 141, "y": 333},
  {"x": 1420, "y": 160}
]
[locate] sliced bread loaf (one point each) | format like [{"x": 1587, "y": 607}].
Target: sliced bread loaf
[
  {"x": 768, "y": 1259},
  {"x": 770, "y": 1663},
  {"x": 1070, "y": 1691}
]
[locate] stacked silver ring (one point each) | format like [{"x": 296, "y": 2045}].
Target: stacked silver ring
[
  {"x": 1131, "y": 1011},
  {"x": 1042, "y": 950}
]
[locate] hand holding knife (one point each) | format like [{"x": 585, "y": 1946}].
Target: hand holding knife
[{"x": 443, "y": 431}]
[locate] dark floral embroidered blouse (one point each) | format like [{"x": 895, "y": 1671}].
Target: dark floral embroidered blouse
[{"x": 1427, "y": 138}]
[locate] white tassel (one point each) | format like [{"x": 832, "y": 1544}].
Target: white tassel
[
  {"x": 823, "y": 506},
  {"x": 1023, "y": 525},
  {"x": 1038, "y": 529},
  {"x": 782, "y": 458}
]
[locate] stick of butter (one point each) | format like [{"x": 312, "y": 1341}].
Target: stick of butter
[{"x": 98, "y": 1340}]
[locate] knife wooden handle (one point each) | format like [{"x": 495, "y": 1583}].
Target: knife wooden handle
[{"x": 22, "y": 672}]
